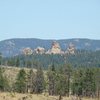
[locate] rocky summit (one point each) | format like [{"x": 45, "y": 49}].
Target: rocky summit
[
  {"x": 55, "y": 49},
  {"x": 71, "y": 49}
]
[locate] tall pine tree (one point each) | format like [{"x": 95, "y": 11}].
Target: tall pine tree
[
  {"x": 39, "y": 81},
  {"x": 21, "y": 84}
]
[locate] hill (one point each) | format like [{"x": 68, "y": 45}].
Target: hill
[
  {"x": 81, "y": 58},
  {"x": 13, "y": 47}
]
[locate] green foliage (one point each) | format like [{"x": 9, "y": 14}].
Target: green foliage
[
  {"x": 80, "y": 58},
  {"x": 0, "y": 58},
  {"x": 83, "y": 82},
  {"x": 97, "y": 81},
  {"x": 20, "y": 84},
  {"x": 17, "y": 63},
  {"x": 51, "y": 80},
  {"x": 31, "y": 80},
  {"x": 11, "y": 62},
  {"x": 4, "y": 85},
  {"x": 77, "y": 82},
  {"x": 79, "y": 78},
  {"x": 61, "y": 86},
  {"x": 39, "y": 81},
  {"x": 59, "y": 80},
  {"x": 89, "y": 82}
]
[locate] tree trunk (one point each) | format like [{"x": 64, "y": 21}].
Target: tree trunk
[
  {"x": 98, "y": 95},
  {"x": 60, "y": 97}
]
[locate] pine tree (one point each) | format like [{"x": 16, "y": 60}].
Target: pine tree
[
  {"x": 20, "y": 84},
  {"x": 97, "y": 81},
  {"x": 77, "y": 82},
  {"x": 83, "y": 82},
  {"x": 52, "y": 80},
  {"x": 89, "y": 82},
  {"x": 60, "y": 86},
  {"x": 17, "y": 63},
  {"x": 67, "y": 75},
  {"x": 0, "y": 58},
  {"x": 4, "y": 85},
  {"x": 31, "y": 80},
  {"x": 39, "y": 81}
]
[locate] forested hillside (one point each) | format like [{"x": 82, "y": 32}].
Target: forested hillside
[
  {"x": 14, "y": 47},
  {"x": 81, "y": 58},
  {"x": 65, "y": 82},
  {"x": 63, "y": 75}
]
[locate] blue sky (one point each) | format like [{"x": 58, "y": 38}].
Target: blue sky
[{"x": 49, "y": 19}]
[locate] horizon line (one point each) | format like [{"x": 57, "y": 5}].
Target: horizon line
[{"x": 47, "y": 38}]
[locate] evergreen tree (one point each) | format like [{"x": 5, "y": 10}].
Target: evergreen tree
[
  {"x": 17, "y": 63},
  {"x": 1, "y": 59},
  {"x": 89, "y": 82},
  {"x": 20, "y": 84},
  {"x": 11, "y": 62},
  {"x": 31, "y": 81},
  {"x": 52, "y": 80},
  {"x": 77, "y": 82},
  {"x": 60, "y": 87},
  {"x": 83, "y": 82},
  {"x": 67, "y": 75},
  {"x": 39, "y": 81},
  {"x": 97, "y": 82},
  {"x": 4, "y": 85}
]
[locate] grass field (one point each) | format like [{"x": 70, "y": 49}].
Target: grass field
[{"x": 17, "y": 96}]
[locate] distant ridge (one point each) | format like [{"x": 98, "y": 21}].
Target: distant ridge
[{"x": 11, "y": 47}]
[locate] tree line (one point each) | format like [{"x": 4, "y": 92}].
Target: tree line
[
  {"x": 63, "y": 81},
  {"x": 80, "y": 58}
]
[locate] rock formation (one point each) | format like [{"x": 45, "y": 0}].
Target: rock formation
[
  {"x": 55, "y": 49},
  {"x": 70, "y": 49},
  {"x": 39, "y": 50},
  {"x": 27, "y": 51}
]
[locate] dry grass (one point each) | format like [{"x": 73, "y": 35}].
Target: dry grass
[
  {"x": 11, "y": 73},
  {"x": 17, "y": 96}
]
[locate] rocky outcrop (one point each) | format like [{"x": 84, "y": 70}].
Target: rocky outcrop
[
  {"x": 71, "y": 49},
  {"x": 39, "y": 50},
  {"x": 55, "y": 49},
  {"x": 27, "y": 51},
  {"x": 11, "y": 47}
]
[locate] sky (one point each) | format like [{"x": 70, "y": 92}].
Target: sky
[{"x": 49, "y": 19}]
